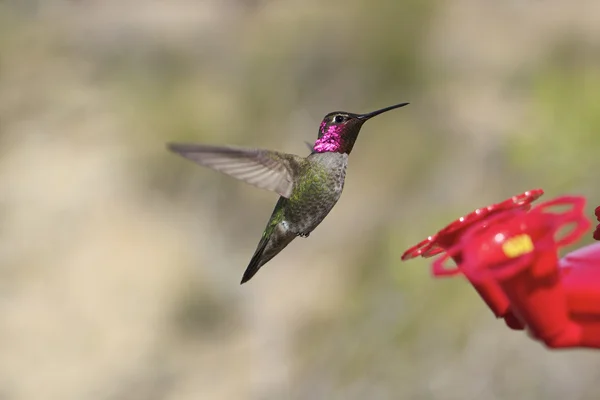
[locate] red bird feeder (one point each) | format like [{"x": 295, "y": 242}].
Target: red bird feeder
[{"x": 509, "y": 253}]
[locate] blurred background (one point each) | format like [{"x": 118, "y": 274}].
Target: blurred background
[{"x": 120, "y": 262}]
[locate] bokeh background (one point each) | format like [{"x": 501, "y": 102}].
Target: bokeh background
[{"x": 120, "y": 263}]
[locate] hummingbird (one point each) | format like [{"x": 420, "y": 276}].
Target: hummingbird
[{"x": 309, "y": 187}]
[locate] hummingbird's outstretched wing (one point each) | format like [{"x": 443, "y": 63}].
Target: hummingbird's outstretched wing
[{"x": 264, "y": 169}]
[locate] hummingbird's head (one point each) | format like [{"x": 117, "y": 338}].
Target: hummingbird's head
[{"x": 339, "y": 130}]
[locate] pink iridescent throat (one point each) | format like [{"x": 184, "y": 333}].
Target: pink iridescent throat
[{"x": 331, "y": 139}]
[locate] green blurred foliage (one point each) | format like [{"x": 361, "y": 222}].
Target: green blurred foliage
[{"x": 561, "y": 132}]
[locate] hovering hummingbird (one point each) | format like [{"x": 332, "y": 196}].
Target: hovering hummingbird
[{"x": 309, "y": 186}]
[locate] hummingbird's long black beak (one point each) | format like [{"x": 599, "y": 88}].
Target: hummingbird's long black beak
[{"x": 367, "y": 116}]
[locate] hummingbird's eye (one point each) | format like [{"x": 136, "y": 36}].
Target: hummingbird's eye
[{"x": 338, "y": 119}]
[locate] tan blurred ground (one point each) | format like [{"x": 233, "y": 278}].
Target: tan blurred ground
[{"x": 120, "y": 263}]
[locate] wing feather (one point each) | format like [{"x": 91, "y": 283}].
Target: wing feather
[{"x": 264, "y": 169}]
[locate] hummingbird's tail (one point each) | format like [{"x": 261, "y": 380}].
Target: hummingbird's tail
[
  {"x": 272, "y": 242},
  {"x": 257, "y": 260}
]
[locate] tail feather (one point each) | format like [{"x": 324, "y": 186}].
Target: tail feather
[
  {"x": 256, "y": 261},
  {"x": 272, "y": 242}
]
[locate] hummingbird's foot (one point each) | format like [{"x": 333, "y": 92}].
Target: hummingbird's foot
[{"x": 304, "y": 234}]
